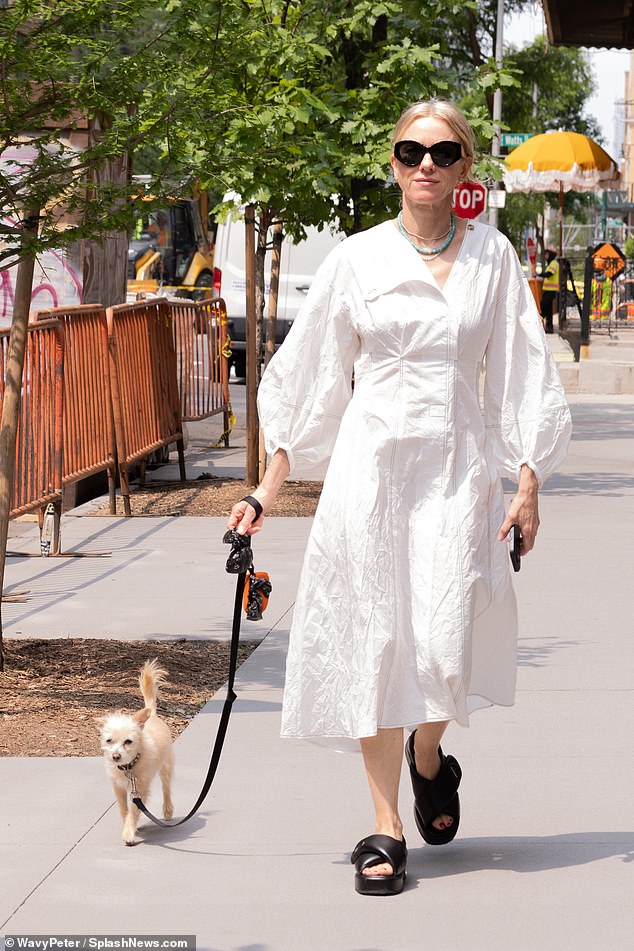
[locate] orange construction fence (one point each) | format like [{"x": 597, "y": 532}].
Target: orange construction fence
[
  {"x": 200, "y": 338},
  {"x": 38, "y": 464},
  {"x": 145, "y": 397},
  {"x": 89, "y": 441},
  {"x": 536, "y": 285},
  {"x": 106, "y": 388}
]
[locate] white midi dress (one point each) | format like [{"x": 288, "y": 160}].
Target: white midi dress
[{"x": 405, "y": 611}]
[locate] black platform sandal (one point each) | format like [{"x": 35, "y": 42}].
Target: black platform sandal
[
  {"x": 375, "y": 850},
  {"x": 435, "y": 796}
]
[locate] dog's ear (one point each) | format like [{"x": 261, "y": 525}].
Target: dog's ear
[{"x": 142, "y": 716}]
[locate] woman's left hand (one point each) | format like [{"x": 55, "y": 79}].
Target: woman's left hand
[{"x": 523, "y": 511}]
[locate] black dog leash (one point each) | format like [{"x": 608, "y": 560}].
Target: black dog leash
[{"x": 240, "y": 562}]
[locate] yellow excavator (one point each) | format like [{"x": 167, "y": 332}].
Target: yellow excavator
[{"x": 170, "y": 252}]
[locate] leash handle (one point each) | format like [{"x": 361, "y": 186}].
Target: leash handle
[{"x": 222, "y": 726}]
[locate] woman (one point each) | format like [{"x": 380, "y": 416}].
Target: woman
[{"x": 405, "y": 614}]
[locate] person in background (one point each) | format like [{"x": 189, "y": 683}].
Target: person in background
[
  {"x": 550, "y": 290},
  {"x": 405, "y": 617}
]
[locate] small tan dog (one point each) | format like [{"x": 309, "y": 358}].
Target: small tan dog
[{"x": 138, "y": 745}]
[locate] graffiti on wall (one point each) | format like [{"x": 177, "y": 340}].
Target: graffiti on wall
[
  {"x": 56, "y": 283},
  {"x": 57, "y": 278}
]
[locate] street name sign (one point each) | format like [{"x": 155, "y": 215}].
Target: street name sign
[{"x": 510, "y": 140}]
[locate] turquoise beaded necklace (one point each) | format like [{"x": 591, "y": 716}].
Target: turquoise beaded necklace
[{"x": 431, "y": 251}]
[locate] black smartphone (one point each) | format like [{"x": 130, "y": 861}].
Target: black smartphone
[{"x": 515, "y": 537}]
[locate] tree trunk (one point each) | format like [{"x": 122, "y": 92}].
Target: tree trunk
[
  {"x": 104, "y": 269},
  {"x": 260, "y": 288},
  {"x": 105, "y": 261},
  {"x": 13, "y": 394},
  {"x": 271, "y": 319},
  {"x": 271, "y": 323},
  {"x": 253, "y": 441}
]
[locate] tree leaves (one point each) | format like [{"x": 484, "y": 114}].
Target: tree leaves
[
  {"x": 289, "y": 103},
  {"x": 84, "y": 82}
]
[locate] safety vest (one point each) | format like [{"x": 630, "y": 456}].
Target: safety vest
[{"x": 551, "y": 282}]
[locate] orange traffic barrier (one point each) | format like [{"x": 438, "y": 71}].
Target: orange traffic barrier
[
  {"x": 536, "y": 285},
  {"x": 145, "y": 398},
  {"x": 625, "y": 311},
  {"x": 38, "y": 464},
  {"x": 202, "y": 366},
  {"x": 89, "y": 442}
]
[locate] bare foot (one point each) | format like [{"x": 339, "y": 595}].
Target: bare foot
[{"x": 396, "y": 832}]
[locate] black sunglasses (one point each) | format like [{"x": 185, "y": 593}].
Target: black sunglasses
[{"x": 442, "y": 154}]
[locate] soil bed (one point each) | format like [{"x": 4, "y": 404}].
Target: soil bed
[
  {"x": 212, "y": 496},
  {"x": 51, "y": 691}
]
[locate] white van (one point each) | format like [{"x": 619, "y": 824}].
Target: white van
[{"x": 298, "y": 264}]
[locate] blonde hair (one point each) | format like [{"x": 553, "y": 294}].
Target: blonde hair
[{"x": 439, "y": 109}]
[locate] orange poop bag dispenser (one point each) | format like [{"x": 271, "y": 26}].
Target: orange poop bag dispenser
[{"x": 257, "y": 588}]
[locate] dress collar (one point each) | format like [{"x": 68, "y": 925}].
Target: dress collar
[{"x": 389, "y": 262}]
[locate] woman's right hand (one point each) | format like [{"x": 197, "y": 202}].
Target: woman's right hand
[{"x": 242, "y": 518}]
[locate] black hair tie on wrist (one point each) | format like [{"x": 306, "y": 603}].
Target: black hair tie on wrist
[{"x": 253, "y": 502}]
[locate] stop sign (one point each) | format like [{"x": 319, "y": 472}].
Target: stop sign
[{"x": 469, "y": 199}]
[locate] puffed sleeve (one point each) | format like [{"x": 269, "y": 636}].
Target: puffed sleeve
[
  {"x": 308, "y": 382},
  {"x": 526, "y": 413}
]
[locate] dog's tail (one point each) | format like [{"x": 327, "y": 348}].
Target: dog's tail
[{"x": 151, "y": 679}]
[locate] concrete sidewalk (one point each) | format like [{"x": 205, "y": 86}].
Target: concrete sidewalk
[
  {"x": 545, "y": 850},
  {"x": 608, "y": 367}
]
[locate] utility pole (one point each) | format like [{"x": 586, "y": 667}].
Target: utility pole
[{"x": 497, "y": 98}]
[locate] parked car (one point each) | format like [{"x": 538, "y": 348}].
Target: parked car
[{"x": 299, "y": 262}]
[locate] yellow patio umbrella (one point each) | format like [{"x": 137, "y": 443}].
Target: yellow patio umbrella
[{"x": 559, "y": 162}]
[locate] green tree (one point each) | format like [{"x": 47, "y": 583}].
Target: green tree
[
  {"x": 556, "y": 83},
  {"x": 320, "y": 99},
  {"x": 138, "y": 72},
  {"x": 467, "y": 36}
]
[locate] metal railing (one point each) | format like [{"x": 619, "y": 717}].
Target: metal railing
[
  {"x": 38, "y": 464},
  {"x": 200, "y": 339},
  {"x": 89, "y": 440},
  {"x": 106, "y": 388},
  {"x": 145, "y": 399}
]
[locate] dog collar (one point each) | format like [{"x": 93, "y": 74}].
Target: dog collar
[{"x": 128, "y": 766}]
